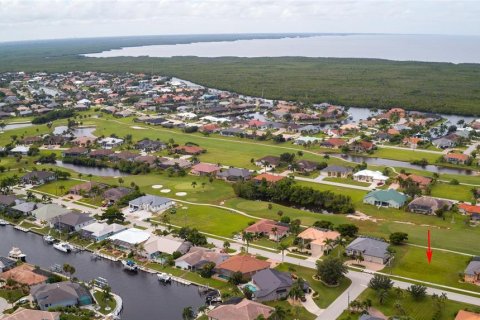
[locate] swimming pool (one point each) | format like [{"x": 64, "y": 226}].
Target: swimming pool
[{"x": 250, "y": 287}]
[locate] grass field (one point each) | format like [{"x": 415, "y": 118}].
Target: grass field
[
  {"x": 454, "y": 192},
  {"x": 445, "y": 267},
  {"x": 405, "y": 155},
  {"x": 54, "y": 187},
  {"x": 104, "y": 304},
  {"x": 418, "y": 310},
  {"x": 347, "y": 181}
]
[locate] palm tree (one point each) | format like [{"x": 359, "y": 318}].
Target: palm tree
[
  {"x": 226, "y": 246},
  {"x": 382, "y": 296},
  {"x": 121, "y": 181},
  {"x": 188, "y": 314},
  {"x": 2, "y": 126},
  {"x": 247, "y": 237},
  {"x": 329, "y": 244},
  {"x": 194, "y": 184},
  {"x": 275, "y": 232},
  {"x": 203, "y": 185},
  {"x": 282, "y": 246},
  {"x": 278, "y": 314}
]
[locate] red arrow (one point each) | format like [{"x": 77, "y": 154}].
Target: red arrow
[{"x": 429, "y": 250}]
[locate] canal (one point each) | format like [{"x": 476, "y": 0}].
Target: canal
[{"x": 144, "y": 298}]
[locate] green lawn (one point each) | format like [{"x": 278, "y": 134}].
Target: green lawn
[
  {"x": 405, "y": 155},
  {"x": 325, "y": 295},
  {"x": 418, "y": 310},
  {"x": 347, "y": 181},
  {"x": 55, "y": 187},
  {"x": 444, "y": 268},
  {"x": 12, "y": 295},
  {"x": 110, "y": 303},
  {"x": 211, "y": 220},
  {"x": 293, "y": 312},
  {"x": 454, "y": 192}
]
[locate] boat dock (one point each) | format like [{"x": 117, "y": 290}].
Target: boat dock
[{"x": 21, "y": 228}]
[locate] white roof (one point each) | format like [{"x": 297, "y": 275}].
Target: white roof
[
  {"x": 111, "y": 140},
  {"x": 376, "y": 175},
  {"x": 162, "y": 244},
  {"x": 215, "y": 119},
  {"x": 99, "y": 229},
  {"x": 20, "y": 149},
  {"x": 190, "y": 115},
  {"x": 306, "y": 139},
  {"x": 132, "y": 236}
]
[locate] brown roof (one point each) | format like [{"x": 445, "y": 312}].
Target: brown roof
[
  {"x": 268, "y": 177},
  {"x": 205, "y": 168},
  {"x": 244, "y": 310},
  {"x": 266, "y": 226},
  {"x": 424, "y": 181},
  {"x": 24, "y": 274},
  {"x": 335, "y": 142},
  {"x": 189, "y": 149},
  {"x": 244, "y": 264},
  {"x": 101, "y": 152},
  {"x": 457, "y": 156},
  {"x": 28, "y": 314}
]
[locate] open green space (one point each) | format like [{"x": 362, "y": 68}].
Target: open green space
[
  {"x": 454, "y": 192},
  {"x": 106, "y": 305},
  {"x": 347, "y": 181},
  {"x": 55, "y": 187},
  {"x": 401, "y": 303},
  {"x": 445, "y": 267},
  {"x": 405, "y": 155}
]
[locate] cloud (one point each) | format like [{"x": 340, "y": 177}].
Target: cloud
[{"x": 34, "y": 19}]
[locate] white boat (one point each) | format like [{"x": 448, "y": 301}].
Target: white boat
[
  {"x": 164, "y": 277},
  {"x": 130, "y": 265},
  {"x": 16, "y": 254},
  {"x": 63, "y": 246},
  {"x": 48, "y": 239},
  {"x": 3, "y": 222}
]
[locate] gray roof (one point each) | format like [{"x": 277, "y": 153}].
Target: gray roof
[
  {"x": 473, "y": 267},
  {"x": 8, "y": 200},
  {"x": 7, "y": 263},
  {"x": 73, "y": 219},
  {"x": 235, "y": 172},
  {"x": 269, "y": 280},
  {"x": 27, "y": 207},
  {"x": 38, "y": 175},
  {"x": 368, "y": 317},
  {"x": 57, "y": 292},
  {"x": 369, "y": 247},
  {"x": 151, "y": 200},
  {"x": 333, "y": 168}
]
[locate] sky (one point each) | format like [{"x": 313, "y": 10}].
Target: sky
[{"x": 53, "y": 19}]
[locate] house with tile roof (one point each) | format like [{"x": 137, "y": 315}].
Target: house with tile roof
[
  {"x": 317, "y": 239},
  {"x": 268, "y": 228},
  {"x": 204, "y": 169},
  {"x": 428, "y": 205},
  {"x": 30, "y": 314},
  {"x": 246, "y": 264},
  {"x": 269, "y": 178},
  {"x": 197, "y": 257},
  {"x": 467, "y": 315},
  {"x": 244, "y": 310},
  {"x": 456, "y": 158}
]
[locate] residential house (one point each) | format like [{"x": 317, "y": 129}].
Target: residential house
[
  {"x": 49, "y": 212},
  {"x": 123, "y": 156},
  {"x": 306, "y": 166},
  {"x": 25, "y": 208},
  {"x": 205, "y": 169},
  {"x": 75, "y": 152},
  {"x": 318, "y": 240},
  {"x": 304, "y": 140},
  {"x": 385, "y": 198},
  {"x": 472, "y": 272},
  {"x": 420, "y": 181},
  {"x": 71, "y": 222},
  {"x": 84, "y": 141},
  {"x": 61, "y": 294},
  {"x": 151, "y": 203},
  {"x": 197, "y": 257},
  {"x": 412, "y": 142},
  {"x": 456, "y": 158},
  {"x": 246, "y": 264},
  {"x": 231, "y": 132},
  {"x": 150, "y": 160},
  {"x": 99, "y": 231},
  {"x": 89, "y": 188},
  {"x": 38, "y": 177},
  {"x": 110, "y": 142},
  {"x": 267, "y": 177},
  {"x": 467, "y": 315},
  {"x": 148, "y": 145},
  {"x": 468, "y": 209},
  {"x": 372, "y": 250},
  {"x": 443, "y": 143},
  {"x": 268, "y": 162},
  {"x": 234, "y": 174},
  {"x": 268, "y": 228},
  {"x": 155, "y": 246},
  {"x": 370, "y": 176},
  {"x": 428, "y": 205},
  {"x": 361, "y": 146},
  {"x": 25, "y": 274},
  {"x": 22, "y": 150},
  {"x": 174, "y": 163},
  {"x": 9, "y": 200},
  {"x": 335, "y": 143},
  {"x": 190, "y": 150},
  {"x": 130, "y": 238},
  {"x": 271, "y": 285},
  {"x": 30, "y": 314},
  {"x": 336, "y": 171},
  {"x": 243, "y": 310},
  {"x": 100, "y": 153},
  {"x": 112, "y": 195}
]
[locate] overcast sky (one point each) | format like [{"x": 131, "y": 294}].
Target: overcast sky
[{"x": 47, "y": 19}]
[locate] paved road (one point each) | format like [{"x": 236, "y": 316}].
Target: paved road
[
  {"x": 472, "y": 148},
  {"x": 4, "y": 305}
]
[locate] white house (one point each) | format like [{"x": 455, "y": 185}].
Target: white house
[
  {"x": 110, "y": 142},
  {"x": 369, "y": 176},
  {"x": 23, "y": 150},
  {"x": 151, "y": 203},
  {"x": 100, "y": 231}
]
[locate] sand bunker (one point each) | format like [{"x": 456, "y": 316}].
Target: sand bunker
[
  {"x": 157, "y": 186},
  {"x": 137, "y": 128},
  {"x": 181, "y": 194},
  {"x": 165, "y": 190}
]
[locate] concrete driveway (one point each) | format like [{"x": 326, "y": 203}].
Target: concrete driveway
[{"x": 4, "y": 305}]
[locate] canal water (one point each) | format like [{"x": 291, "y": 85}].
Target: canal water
[
  {"x": 102, "y": 172},
  {"x": 144, "y": 297}
]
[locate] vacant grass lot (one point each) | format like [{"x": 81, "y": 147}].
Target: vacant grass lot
[
  {"x": 347, "y": 181},
  {"x": 444, "y": 268},
  {"x": 405, "y": 155},
  {"x": 418, "y": 310},
  {"x": 454, "y": 192},
  {"x": 55, "y": 187}
]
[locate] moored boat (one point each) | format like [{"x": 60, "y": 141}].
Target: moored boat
[
  {"x": 130, "y": 265},
  {"x": 17, "y": 254},
  {"x": 48, "y": 239},
  {"x": 3, "y": 222},
  {"x": 63, "y": 246},
  {"x": 164, "y": 277}
]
